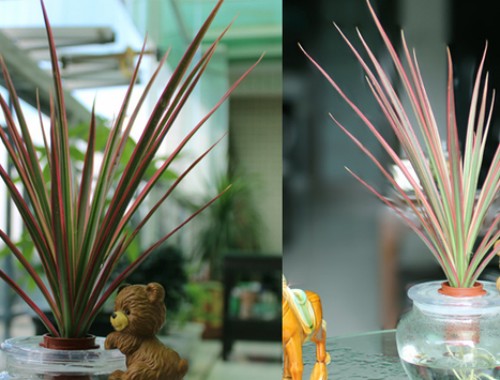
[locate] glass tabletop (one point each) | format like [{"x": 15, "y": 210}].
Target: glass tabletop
[{"x": 370, "y": 356}]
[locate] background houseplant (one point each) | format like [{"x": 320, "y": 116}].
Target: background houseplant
[
  {"x": 447, "y": 205},
  {"x": 231, "y": 225},
  {"x": 78, "y": 224}
]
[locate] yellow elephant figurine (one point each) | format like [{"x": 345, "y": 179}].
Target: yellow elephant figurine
[{"x": 303, "y": 321}]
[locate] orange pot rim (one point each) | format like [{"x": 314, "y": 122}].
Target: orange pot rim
[
  {"x": 56, "y": 343},
  {"x": 477, "y": 290}
]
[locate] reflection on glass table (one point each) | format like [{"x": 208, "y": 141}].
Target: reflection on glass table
[{"x": 370, "y": 356}]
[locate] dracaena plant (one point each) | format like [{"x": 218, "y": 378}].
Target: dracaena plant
[
  {"x": 80, "y": 224},
  {"x": 447, "y": 202}
]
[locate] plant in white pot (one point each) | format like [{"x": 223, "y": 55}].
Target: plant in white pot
[
  {"x": 80, "y": 224},
  {"x": 453, "y": 328}
]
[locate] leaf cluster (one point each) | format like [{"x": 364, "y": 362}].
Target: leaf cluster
[{"x": 80, "y": 220}]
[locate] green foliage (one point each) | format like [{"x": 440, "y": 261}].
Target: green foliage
[
  {"x": 201, "y": 303},
  {"x": 230, "y": 224}
]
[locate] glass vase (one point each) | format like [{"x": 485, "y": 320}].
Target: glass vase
[
  {"x": 24, "y": 358},
  {"x": 447, "y": 337}
]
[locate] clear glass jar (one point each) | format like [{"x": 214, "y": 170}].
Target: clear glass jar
[
  {"x": 444, "y": 337},
  {"x": 25, "y": 359}
]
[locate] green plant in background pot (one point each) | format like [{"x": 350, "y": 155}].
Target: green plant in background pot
[
  {"x": 233, "y": 224},
  {"x": 453, "y": 329},
  {"x": 230, "y": 225},
  {"x": 79, "y": 224},
  {"x": 203, "y": 306}
]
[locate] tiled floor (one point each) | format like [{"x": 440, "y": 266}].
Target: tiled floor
[{"x": 248, "y": 361}]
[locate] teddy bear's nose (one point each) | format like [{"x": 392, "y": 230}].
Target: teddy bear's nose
[{"x": 113, "y": 315}]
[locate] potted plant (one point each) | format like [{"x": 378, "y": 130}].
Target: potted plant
[
  {"x": 77, "y": 135},
  {"x": 231, "y": 225},
  {"x": 166, "y": 266},
  {"x": 452, "y": 330},
  {"x": 79, "y": 223}
]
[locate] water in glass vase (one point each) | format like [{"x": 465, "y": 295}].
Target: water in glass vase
[
  {"x": 445, "y": 337},
  {"x": 459, "y": 363},
  {"x": 428, "y": 372}
]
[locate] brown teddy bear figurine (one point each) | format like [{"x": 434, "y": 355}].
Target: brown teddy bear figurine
[{"x": 139, "y": 314}]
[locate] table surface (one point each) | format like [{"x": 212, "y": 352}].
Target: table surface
[{"x": 370, "y": 356}]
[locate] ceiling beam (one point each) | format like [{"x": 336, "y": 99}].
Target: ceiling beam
[
  {"x": 28, "y": 77},
  {"x": 35, "y": 38},
  {"x": 255, "y": 32}
]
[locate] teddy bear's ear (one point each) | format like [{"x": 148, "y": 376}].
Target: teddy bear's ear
[
  {"x": 121, "y": 287},
  {"x": 155, "y": 292}
]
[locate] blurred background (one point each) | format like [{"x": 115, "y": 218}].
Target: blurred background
[
  {"x": 338, "y": 240},
  {"x": 232, "y": 252}
]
